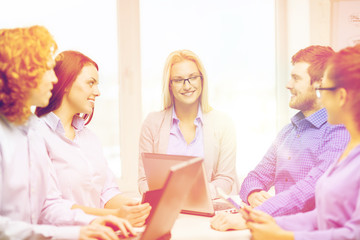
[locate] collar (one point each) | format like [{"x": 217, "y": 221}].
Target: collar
[
  {"x": 316, "y": 119},
  {"x": 198, "y": 119},
  {"x": 53, "y": 121}
]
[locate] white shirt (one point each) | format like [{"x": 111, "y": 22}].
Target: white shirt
[
  {"x": 28, "y": 187},
  {"x": 80, "y": 165}
]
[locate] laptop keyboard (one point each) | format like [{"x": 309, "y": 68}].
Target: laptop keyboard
[{"x": 220, "y": 206}]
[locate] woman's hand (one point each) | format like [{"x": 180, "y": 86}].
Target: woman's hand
[
  {"x": 263, "y": 226},
  {"x": 104, "y": 228},
  {"x": 134, "y": 212},
  {"x": 226, "y": 221}
]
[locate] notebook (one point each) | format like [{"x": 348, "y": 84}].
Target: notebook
[
  {"x": 171, "y": 197},
  {"x": 199, "y": 201}
]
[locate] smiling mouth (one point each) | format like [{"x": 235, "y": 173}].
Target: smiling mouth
[{"x": 188, "y": 93}]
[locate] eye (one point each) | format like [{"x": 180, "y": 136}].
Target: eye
[
  {"x": 91, "y": 83},
  {"x": 178, "y": 80}
]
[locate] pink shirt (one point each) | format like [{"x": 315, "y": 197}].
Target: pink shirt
[
  {"x": 83, "y": 173},
  {"x": 177, "y": 143},
  {"x": 28, "y": 186},
  {"x": 337, "y": 212}
]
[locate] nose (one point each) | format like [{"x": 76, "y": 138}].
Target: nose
[
  {"x": 186, "y": 84},
  {"x": 96, "y": 91},
  {"x": 53, "y": 78},
  {"x": 289, "y": 84}
]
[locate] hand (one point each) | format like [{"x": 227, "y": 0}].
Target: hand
[
  {"x": 95, "y": 231},
  {"x": 136, "y": 214},
  {"x": 263, "y": 226},
  {"x": 226, "y": 221},
  {"x": 255, "y": 199},
  {"x": 114, "y": 223}
]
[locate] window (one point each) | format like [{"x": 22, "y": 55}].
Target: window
[
  {"x": 236, "y": 42},
  {"x": 91, "y": 28}
]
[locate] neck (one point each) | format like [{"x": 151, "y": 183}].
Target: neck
[
  {"x": 186, "y": 113},
  {"x": 353, "y": 128},
  {"x": 316, "y": 107},
  {"x": 66, "y": 118}
]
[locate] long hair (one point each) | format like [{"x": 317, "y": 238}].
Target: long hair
[
  {"x": 317, "y": 56},
  {"x": 24, "y": 57},
  {"x": 176, "y": 57},
  {"x": 68, "y": 66},
  {"x": 344, "y": 70}
]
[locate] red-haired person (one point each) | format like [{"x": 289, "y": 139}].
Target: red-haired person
[
  {"x": 337, "y": 195},
  {"x": 75, "y": 151},
  {"x": 28, "y": 187}
]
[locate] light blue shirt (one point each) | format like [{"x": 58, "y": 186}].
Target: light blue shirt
[{"x": 177, "y": 143}]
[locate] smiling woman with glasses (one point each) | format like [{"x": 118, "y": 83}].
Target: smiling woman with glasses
[
  {"x": 337, "y": 195},
  {"x": 189, "y": 126}
]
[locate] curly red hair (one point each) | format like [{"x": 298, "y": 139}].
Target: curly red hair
[{"x": 24, "y": 57}]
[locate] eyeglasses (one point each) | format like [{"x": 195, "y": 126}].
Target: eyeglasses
[
  {"x": 190, "y": 80},
  {"x": 319, "y": 89}
]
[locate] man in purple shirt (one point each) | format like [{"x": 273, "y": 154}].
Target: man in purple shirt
[{"x": 301, "y": 152}]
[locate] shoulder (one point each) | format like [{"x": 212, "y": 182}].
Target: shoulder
[
  {"x": 156, "y": 118},
  {"x": 218, "y": 118}
]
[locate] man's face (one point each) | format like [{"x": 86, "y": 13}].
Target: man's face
[{"x": 303, "y": 96}]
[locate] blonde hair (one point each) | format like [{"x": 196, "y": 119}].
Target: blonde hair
[
  {"x": 24, "y": 57},
  {"x": 176, "y": 57}
]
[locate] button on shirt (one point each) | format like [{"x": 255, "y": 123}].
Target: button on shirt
[
  {"x": 300, "y": 154},
  {"x": 83, "y": 173},
  {"x": 177, "y": 143},
  {"x": 337, "y": 212},
  {"x": 28, "y": 187}
]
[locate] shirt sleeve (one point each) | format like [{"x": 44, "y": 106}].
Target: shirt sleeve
[
  {"x": 56, "y": 210},
  {"x": 298, "y": 196},
  {"x": 111, "y": 188},
  {"x": 10, "y": 229},
  {"x": 146, "y": 144},
  {"x": 225, "y": 174},
  {"x": 349, "y": 230},
  {"x": 262, "y": 177},
  {"x": 299, "y": 222}
]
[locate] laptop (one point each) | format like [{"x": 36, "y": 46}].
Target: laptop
[
  {"x": 179, "y": 180},
  {"x": 199, "y": 200}
]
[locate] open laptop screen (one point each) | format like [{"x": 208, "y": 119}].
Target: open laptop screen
[{"x": 156, "y": 168}]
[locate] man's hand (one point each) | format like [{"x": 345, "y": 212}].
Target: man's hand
[
  {"x": 226, "y": 221},
  {"x": 255, "y": 199}
]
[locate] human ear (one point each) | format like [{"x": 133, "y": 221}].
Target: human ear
[{"x": 342, "y": 96}]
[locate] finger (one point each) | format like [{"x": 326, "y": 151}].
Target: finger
[
  {"x": 260, "y": 198},
  {"x": 102, "y": 232},
  {"x": 129, "y": 228},
  {"x": 265, "y": 195}
]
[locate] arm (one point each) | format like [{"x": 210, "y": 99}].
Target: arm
[
  {"x": 263, "y": 176},
  {"x": 301, "y": 221},
  {"x": 225, "y": 176},
  {"x": 298, "y": 196},
  {"x": 10, "y": 229},
  {"x": 56, "y": 210},
  {"x": 146, "y": 144}
]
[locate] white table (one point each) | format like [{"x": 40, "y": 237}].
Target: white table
[{"x": 198, "y": 228}]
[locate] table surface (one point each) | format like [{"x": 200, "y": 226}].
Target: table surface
[{"x": 197, "y": 227}]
